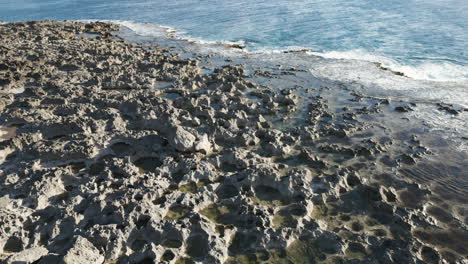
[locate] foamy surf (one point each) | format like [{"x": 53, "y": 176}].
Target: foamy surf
[
  {"x": 439, "y": 69},
  {"x": 377, "y": 75},
  {"x": 154, "y": 30}
]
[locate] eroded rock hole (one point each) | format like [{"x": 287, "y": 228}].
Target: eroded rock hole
[
  {"x": 121, "y": 148},
  {"x": 13, "y": 244},
  {"x": 138, "y": 244},
  {"x": 242, "y": 242},
  {"x": 267, "y": 193},
  {"x": 197, "y": 246},
  {"x": 142, "y": 221},
  {"x": 227, "y": 191},
  {"x": 168, "y": 256},
  {"x": 177, "y": 212},
  {"x": 172, "y": 243},
  {"x": 148, "y": 164}
]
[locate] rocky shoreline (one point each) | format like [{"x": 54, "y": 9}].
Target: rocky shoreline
[{"x": 114, "y": 152}]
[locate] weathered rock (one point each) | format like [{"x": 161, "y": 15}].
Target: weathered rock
[
  {"x": 183, "y": 140},
  {"x": 203, "y": 145},
  {"x": 131, "y": 154},
  {"x": 83, "y": 252},
  {"x": 29, "y": 255}
]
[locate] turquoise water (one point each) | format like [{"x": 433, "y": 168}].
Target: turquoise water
[{"x": 425, "y": 39}]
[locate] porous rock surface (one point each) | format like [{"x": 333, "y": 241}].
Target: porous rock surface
[{"x": 107, "y": 167}]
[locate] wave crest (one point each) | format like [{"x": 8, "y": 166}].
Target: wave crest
[{"x": 442, "y": 70}]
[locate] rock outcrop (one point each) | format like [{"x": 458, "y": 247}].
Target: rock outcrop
[{"x": 100, "y": 164}]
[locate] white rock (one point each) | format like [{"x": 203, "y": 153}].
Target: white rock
[
  {"x": 27, "y": 256},
  {"x": 50, "y": 186},
  {"x": 83, "y": 252},
  {"x": 203, "y": 145},
  {"x": 4, "y": 153},
  {"x": 183, "y": 140}
]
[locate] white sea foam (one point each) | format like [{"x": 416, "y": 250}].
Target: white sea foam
[
  {"x": 147, "y": 29},
  {"x": 432, "y": 70},
  {"x": 377, "y": 82},
  {"x": 142, "y": 29},
  {"x": 439, "y": 70},
  {"x": 154, "y": 30}
]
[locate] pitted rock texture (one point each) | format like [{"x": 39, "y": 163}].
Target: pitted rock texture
[{"x": 105, "y": 166}]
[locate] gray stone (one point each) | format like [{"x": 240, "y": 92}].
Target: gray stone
[
  {"x": 83, "y": 252},
  {"x": 182, "y": 140},
  {"x": 27, "y": 256}
]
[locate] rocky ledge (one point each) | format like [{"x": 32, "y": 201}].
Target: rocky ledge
[{"x": 113, "y": 152}]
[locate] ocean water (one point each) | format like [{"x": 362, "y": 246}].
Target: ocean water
[{"x": 426, "y": 40}]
